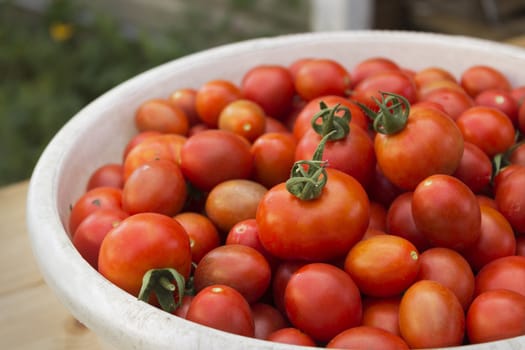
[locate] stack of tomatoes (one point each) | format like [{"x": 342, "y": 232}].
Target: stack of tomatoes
[{"x": 323, "y": 205}]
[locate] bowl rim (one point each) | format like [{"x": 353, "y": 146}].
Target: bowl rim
[{"x": 142, "y": 320}]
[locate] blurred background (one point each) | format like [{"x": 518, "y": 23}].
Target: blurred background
[{"x": 58, "y": 55}]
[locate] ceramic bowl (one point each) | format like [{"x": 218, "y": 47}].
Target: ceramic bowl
[{"x": 98, "y": 133}]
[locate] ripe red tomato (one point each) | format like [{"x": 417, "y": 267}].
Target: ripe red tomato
[
  {"x": 291, "y": 336},
  {"x": 212, "y": 97},
  {"x": 185, "y": 99},
  {"x": 495, "y": 315},
  {"x": 510, "y": 198},
  {"x": 280, "y": 279},
  {"x": 383, "y": 265},
  {"x": 382, "y": 313},
  {"x": 431, "y": 74},
  {"x": 271, "y": 87},
  {"x": 203, "y": 234},
  {"x": 243, "y": 117},
  {"x": 320, "y": 77},
  {"x": 161, "y": 115},
  {"x": 446, "y": 327},
  {"x": 327, "y": 226},
  {"x": 475, "y": 168},
  {"x": 478, "y": 78},
  {"x": 365, "y": 337},
  {"x": 135, "y": 140},
  {"x": 238, "y": 266},
  {"x": 447, "y": 212},
  {"x": 213, "y": 156},
  {"x": 500, "y": 99},
  {"x": 267, "y": 319},
  {"x": 107, "y": 175},
  {"x": 370, "y": 66},
  {"x": 503, "y": 273},
  {"x": 222, "y": 307},
  {"x": 453, "y": 101},
  {"x": 142, "y": 242},
  {"x": 337, "y": 297},
  {"x": 394, "y": 81}
]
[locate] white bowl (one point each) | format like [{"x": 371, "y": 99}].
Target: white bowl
[{"x": 98, "y": 133}]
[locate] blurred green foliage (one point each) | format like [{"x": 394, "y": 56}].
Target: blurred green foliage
[{"x": 54, "y": 63}]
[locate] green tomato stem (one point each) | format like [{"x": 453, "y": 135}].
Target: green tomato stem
[
  {"x": 392, "y": 116},
  {"x": 330, "y": 121},
  {"x": 159, "y": 281}
]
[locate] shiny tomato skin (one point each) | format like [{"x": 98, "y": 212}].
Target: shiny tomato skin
[
  {"x": 203, "y": 234},
  {"x": 184, "y": 98},
  {"x": 238, "y": 266},
  {"x": 394, "y": 81},
  {"x": 142, "y": 242},
  {"x": 449, "y": 268},
  {"x": 383, "y": 265},
  {"x": 417, "y": 151},
  {"x": 222, "y": 307},
  {"x": 138, "y": 138},
  {"x": 495, "y": 315},
  {"x": 336, "y": 294},
  {"x": 503, "y": 273},
  {"x": 382, "y": 313},
  {"x": 478, "y": 78},
  {"x": 212, "y": 97},
  {"x": 453, "y": 101},
  {"x": 365, "y": 337},
  {"x": 271, "y": 87},
  {"x": 244, "y": 118},
  {"x": 370, "y": 66},
  {"x": 321, "y": 229},
  {"x": 430, "y": 74},
  {"x": 320, "y": 77},
  {"x": 161, "y": 115},
  {"x": 292, "y": 336},
  {"x": 267, "y": 319},
  {"x": 213, "y": 156},
  {"x": 446, "y": 326},
  {"x": 107, "y": 175},
  {"x": 447, "y": 212},
  {"x": 510, "y": 198},
  {"x": 500, "y": 99},
  {"x": 353, "y": 155},
  {"x": 280, "y": 279},
  {"x": 475, "y": 168}
]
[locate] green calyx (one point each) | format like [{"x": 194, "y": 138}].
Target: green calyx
[
  {"x": 330, "y": 121},
  {"x": 393, "y": 113},
  {"x": 164, "y": 283}
]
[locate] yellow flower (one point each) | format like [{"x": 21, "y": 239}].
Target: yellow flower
[{"x": 61, "y": 31}]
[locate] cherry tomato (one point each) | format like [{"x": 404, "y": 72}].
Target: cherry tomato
[
  {"x": 281, "y": 276},
  {"x": 320, "y": 77},
  {"x": 382, "y": 313},
  {"x": 370, "y": 66},
  {"x": 203, "y": 234},
  {"x": 291, "y": 336},
  {"x": 90, "y": 233},
  {"x": 232, "y": 201},
  {"x": 510, "y": 198},
  {"x": 92, "y": 200},
  {"x": 157, "y": 186},
  {"x": 222, "y": 307},
  {"x": 271, "y": 87},
  {"x": 453, "y": 101},
  {"x": 182, "y": 310},
  {"x": 443, "y": 84},
  {"x": 503, "y": 273},
  {"x": 107, "y": 175},
  {"x": 212, "y": 97},
  {"x": 213, "y": 156},
  {"x": 142, "y": 242},
  {"x": 517, "y": 155},
  {"x": 496, "y": 240},
  {"x": 238, "y": 266},
  {"x": 161, "y": 115},
  {"x": 393, "y": 81},
  {"x": 447, "y": 212},
  {"x": 500, "y": 99},
  {"x": 381, "y": 189},
  {"x": 488, "y": 128},
  {"x": 383, "y": 266},
  {"x": 267, "y": 319},
  {"x": 245, "y": 232},
  {"x": 138, "y": 138},
  {"x": 377, "y": 216},
  {"x": 185, "y": 99},
  {"x": 243, "y": 117},
  {"x": 450, "y": 269},
  {"x": 365, "y": 337},
  {"x": 494, "y": 315},
  {"x": 446, "y": 326},
  {"x": 478, "y": 78},
  {"x": 431, "y": 74},
  {"x": 275, "y": 126},
  {"x": 475, "y": 168},
  {"x": 329, "y": 225},
  {"x": 337, "y": 296}
]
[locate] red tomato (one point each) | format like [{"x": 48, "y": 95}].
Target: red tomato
[
  {"x": 182, "y": 310},
  {"x": 496, "y": 315},
  {"x": 447, "y": 212},
  {"x": 382, "y": 313},
  {"x": 431, "y": 74},
  {"x": 107, "y": 175},
  {"x": 499, "y": 99},
  {"x": 212, "y": 97},
  {"x": 243, "y": 117},
  {"x": 450, "y": 269},
  {"x": 377, "y": 216},
  {"x": 291, "y": 336},
  {"x": 185, "y": 99},
  {"x": 416, "y": 152},
  {"x": 496, "y": 240},
  {"x": 453, "y": 101},
  {"x": 503, "y": 273},
  {"x": 320, "y": 77},
  {"x": 271, "y": 87},
  {"x": 517, "y": 155},
  {"x": 92, "y": 200},
  {"x": 383, "y": 266},
  {"x": 161, "y": 115},
  {"x": 488, "y": 128},
  {"x": 222, "y": 307},
  {"x": 370, "y": 66},
  {"x": 91, "y": 232},
  {"x": 400, "y": 221},
  {"x": 202, "y": 233},
  {"x": 328, "y": 226},
  {"x": 381, "y": 189},
  {"x": 393, "y": 81},
  {"x": 520, "y": 245},
  {"x": 273, "y": 158},
  {"x": 338, "y": 298},
  {"x": 478, "y": 78},
  {"x": 281, "y": 276},
  {"x": 157, "y": 186},
  {"x": 213, "y": 156},
  {"x": 238, "y": 266},
  {"x": 446, "y": 327},
  {"x": 275, "y": 126},
  {"x": 475, "y": 168},
  {"x": 138, "y": 138},
  {"x": 245, "y": 232},
  {"x": 370, "y": 338},
  {"x": 142, "y": 242},
  {"x": 510, "y": 198},
  {"x": 267, "y": 320},
  {"x": 442, "y": 84}
]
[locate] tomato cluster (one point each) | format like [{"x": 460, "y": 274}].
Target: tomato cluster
[{"x": 323, "y": 205}]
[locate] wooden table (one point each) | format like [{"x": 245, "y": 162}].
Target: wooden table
[{"x": 30, "y": 315}]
